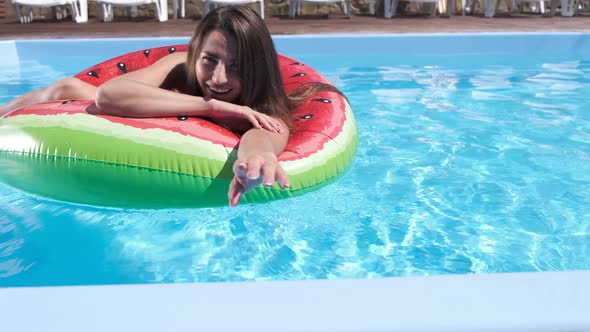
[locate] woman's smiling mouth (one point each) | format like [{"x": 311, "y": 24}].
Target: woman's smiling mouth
[{"x": 219, "y": 90}]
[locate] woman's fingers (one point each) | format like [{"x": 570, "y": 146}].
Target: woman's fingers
[
  {"x": 262, "y": 121},
  {"x": 253, "y": 172},
  {"x": 268, "y": 173},
  {"x": 266, "y": 124},
  {"x": 270, "y": 123},
  {"x": 254, "y": 168},
  {"x": 253, "y": 120},
  {"x": 235, "y": 192},
  {"x": 281, "y": 177},
  {"x": 240, "y": 169}
]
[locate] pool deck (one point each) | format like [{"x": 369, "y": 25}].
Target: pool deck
[{"x": 149, "y": 27}]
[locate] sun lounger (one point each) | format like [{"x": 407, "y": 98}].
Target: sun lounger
[
  {"x": 107, "y": 7},
  {"x": 295, "y": 6},
  {"x": 390, "y": 9},
  {"x": 78, "y": 9},
  {"x": 211, "y": 4}
]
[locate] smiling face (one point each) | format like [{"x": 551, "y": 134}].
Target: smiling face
[{"x": 217, "y": 68}]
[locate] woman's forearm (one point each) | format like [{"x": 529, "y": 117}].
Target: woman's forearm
[
  {"x": 123, "y": 97},
  {"x": 258, "y": 141}
]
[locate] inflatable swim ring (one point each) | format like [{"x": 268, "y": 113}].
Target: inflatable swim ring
[{"x": 58, "y": 150}]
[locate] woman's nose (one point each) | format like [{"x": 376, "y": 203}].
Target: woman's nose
[{"x": 219, "y": 74}]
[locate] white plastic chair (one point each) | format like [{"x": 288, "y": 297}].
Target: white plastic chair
[
  {"x": 517, "y": 3},
  {"x": 491, "y": 6},
  {"x": 295, "y": 6},
  {"x": 568, "y": 7},
  {"x": 390, "y": 9},
  {"x": 78, "y": 9},
  {"x": 178, "y": 8},
  {"x": 107, "y": 8},
  {"x": 209, "y": 5}
]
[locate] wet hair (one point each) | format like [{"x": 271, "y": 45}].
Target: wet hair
[{"x": 257, "y": 61}]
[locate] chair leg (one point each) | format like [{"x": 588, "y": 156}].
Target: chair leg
[
  {"x": 372, "y": 7},
  {"x": 292, "y": 8},
  {"x": 178, "y": 8},
  {"x": 515, "y": 8},
  {"x": 75, "y": 13},
  {"x": 28, "y": 16},
  {"x": 107, "y": 12},
  {"x": 568, "y": 8},
  {"x": 344, "y": 4},
  {"x": 132, "y": 11},
  {"x": 441, "y": 7},
  {"x": 387, "y": 8},
  {"x": 488, "y": 10},
  {"x": 18, "y": 10},
  {"x": 162, "y": 10},
  {"x": 542, "y": 6},
  {"x": 82, "y": 16},
  {"x": 57, "y": 12},
  {"x": 261, "y": 8}
]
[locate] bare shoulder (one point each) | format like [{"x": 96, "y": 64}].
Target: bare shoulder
[
  {"x": 174, "y": 58},
  {"x": 168, "y": 62},
  {"x": 156, "y": 73}
]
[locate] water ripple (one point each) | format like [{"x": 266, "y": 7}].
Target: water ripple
[{"x": 475, "y": 168}]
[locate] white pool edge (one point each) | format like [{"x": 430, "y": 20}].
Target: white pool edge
[{"x": 542, "y": 301}]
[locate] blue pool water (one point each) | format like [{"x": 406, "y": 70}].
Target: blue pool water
[{"x": 474, "y": 157}]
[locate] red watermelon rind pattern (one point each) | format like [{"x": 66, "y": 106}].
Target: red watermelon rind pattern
[{"x": 321, "y": 148}]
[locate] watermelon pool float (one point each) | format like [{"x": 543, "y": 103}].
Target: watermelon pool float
[{"x": 59, "y": 150}]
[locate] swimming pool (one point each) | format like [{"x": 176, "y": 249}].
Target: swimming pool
[{"x": 473, "y": 158}]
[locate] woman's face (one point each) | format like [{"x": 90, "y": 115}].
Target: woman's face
[{"x": 217, "y": 69}]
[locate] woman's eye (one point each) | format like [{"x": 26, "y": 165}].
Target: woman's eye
[{"x": 208, "y": 60}]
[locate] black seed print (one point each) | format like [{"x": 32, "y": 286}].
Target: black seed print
[
  {"x": 122, "y": 66},
  {"x": 68, "y": 101},
  {"x": 323, "y": 100},
  {"x": 298, "y": 75},
  {"x": 297, "y": 64},
  {"x": 306, "y": 117},
  {"x": 182, "y": 117},
  {"x": 146, "y": 53},
  {"x": 172, "y": 50},
  {"x": 93, "y": 74}
]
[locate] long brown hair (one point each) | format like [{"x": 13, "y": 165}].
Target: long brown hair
[{"x": 257, "y": 60}]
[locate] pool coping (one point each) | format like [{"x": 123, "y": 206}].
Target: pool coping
[{"x": 537, "y": 301}]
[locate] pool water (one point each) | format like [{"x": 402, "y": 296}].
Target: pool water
[{"x": 466, "y": 164}]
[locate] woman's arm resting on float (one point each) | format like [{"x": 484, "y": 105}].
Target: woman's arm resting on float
[
  {"x": 258, "y": 163},
  {"x": 137, "y": 94}
]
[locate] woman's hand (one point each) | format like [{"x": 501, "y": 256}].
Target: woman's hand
[
  {"x": 221, "y": 111},
  {"x": 253, "y": 170}
]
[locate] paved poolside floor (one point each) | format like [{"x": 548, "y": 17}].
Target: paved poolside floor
[{"x": 149, "y": 27}]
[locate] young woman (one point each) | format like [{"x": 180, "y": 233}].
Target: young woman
[{"x": 230, "y": 74}]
